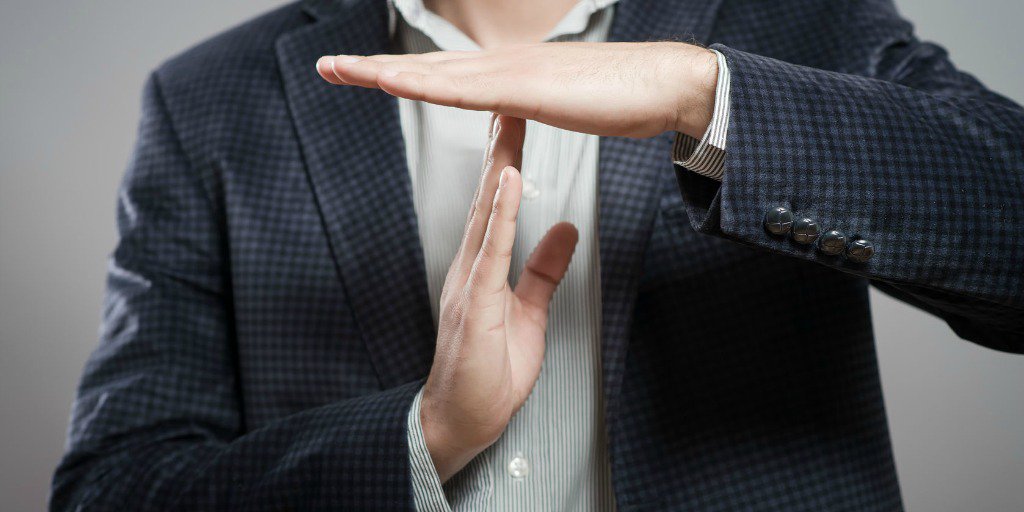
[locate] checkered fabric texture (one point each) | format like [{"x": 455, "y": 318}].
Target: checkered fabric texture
[{"x": 266, "y": 325}]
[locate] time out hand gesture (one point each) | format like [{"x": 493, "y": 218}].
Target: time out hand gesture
[
  {"x": 490, "y": 342},
  {"x": 621, "y": 89}
]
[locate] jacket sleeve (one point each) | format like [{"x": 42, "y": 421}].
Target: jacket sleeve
[
  {"x": 158, "y": 423},
  {"x": 894, "y": 146}
]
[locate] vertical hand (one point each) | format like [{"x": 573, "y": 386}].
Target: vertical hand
[{"x": 490, "y": 342}]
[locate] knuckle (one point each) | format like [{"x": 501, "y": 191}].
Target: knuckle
[
  {"x": 490, "y": 250},
  {"x": 486, "y": 250},
  {"x": 503, "y": 212},
  {"x": 471, "y": 290},
  {"x": 465, "y": 81},
  {"x": 453, "y": 309},
  {"x": 497, "y": 209},
  {"x": 449, "y": 277},
  {"x": 445, "y": 292},
  {"x": 479, "y": 210},
  {"x": 455, "y": 314},
  {"x": 476, "y": 295}
]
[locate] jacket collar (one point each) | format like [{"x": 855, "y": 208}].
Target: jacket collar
[{"x": 352, "y": 144}]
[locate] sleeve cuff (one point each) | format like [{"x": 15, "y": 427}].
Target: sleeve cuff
[
  {"x": 428, "y": 494},
  {"x": 707, "y": 155}
]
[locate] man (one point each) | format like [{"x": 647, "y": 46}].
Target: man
[{"x": 301, "y": 316}]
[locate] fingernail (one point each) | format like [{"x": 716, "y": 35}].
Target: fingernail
[
  {"x": 346, "y": 59},
  {"x": 503, "y": 178},
  {"x": 491, "y": 126}
]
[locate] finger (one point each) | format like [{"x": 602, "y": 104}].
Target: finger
[
  {"x": 490, "y": 270},
  {"x": 505, "y": 149},
  {"x": 366, "y": 71},
  {"x": 453, "y": 67},
  {"x": 356, "y": 70},
  {"x": 428, "y": 57},
  {"x": 369, "y": 71},
  {"x": 546, "y": 267},
  {"x": 491, "y": 130},
  {"x": 325, "y": 67},
  {"x": 471, "y": 90},
  {"x": 458, "y": 271}
]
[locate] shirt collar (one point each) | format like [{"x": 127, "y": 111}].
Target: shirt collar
[{"x": 447, "y": 37}]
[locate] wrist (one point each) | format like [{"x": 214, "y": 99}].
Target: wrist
[
  {"x": 696, "y": 102},
  {"x": 449, "y": 449}
]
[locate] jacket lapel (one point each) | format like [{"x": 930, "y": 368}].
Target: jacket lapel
[
  {"x": 355, "y": 157},
  {"x": 632, "y": 172}
]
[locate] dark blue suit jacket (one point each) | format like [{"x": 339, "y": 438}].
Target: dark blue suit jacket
[{"x": 267, "y": 324}]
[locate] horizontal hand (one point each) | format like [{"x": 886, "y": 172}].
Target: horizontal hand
[{"x": 618, "y": 89}]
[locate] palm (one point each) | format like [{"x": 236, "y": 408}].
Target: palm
[
  {"x": 516, "y": 323},
  {"x": 526, "y": 325}
]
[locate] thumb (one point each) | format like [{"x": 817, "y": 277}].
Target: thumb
[{"x": 547, "y": 265}]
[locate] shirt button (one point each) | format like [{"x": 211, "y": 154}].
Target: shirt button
[
  {"x": 530, "y": 190},
  {"x": 518, "y": 468}
]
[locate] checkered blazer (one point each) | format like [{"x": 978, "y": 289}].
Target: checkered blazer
[{"x": 266, "y": 324}]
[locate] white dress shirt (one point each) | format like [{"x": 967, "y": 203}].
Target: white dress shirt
[{"x": 553, "y": 455}]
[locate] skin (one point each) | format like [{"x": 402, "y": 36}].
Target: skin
[
  {"x": 490, "y": 342},
  {"x": 613, "y": 89},
  {"x": 495, "y": 23}
]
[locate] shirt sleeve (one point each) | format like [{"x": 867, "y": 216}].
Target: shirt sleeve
[
  {"x": 428, "y": 495},
  {"x": 707, "y": 155}
]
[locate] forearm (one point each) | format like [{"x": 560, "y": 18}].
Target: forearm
[
  {"x": 932, "y": 179},
  {"x": 350, "y": 455}
]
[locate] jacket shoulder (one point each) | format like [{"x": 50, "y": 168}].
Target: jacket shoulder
[
  {"x": 226, "y": 91},
  {"x": 246, "y": 48}
]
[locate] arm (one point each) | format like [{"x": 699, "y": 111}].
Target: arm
[
  {"x": 894, "y": 147},
  {"x": 491, "y": 336},
  {"x": 158, "y": 423},
  {"x": 909, "y": 153}
]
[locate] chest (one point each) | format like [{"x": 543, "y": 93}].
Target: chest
[{"x": 444, "y": 156}]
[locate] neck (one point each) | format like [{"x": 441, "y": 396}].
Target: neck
[{"x": 496, "y": 23}]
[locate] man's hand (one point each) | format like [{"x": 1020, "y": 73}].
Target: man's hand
[
  {"x": 490, "y": 342},
  {"x": 619, "y": 89}
]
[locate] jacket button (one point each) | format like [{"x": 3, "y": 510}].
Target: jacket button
[
  {"x": 832, "y": 243},
  {"x": 805, "y": 231},
  {"x": 778, "y": 221},
  {"x": 860, "y": 251}
]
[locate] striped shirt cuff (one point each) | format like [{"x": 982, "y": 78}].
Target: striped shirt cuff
[
  {"x": 428, "y": 495},
  {"x": 707, "y": 155}
]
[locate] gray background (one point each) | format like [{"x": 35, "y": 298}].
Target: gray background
[{"x": 70, "y": 78}]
